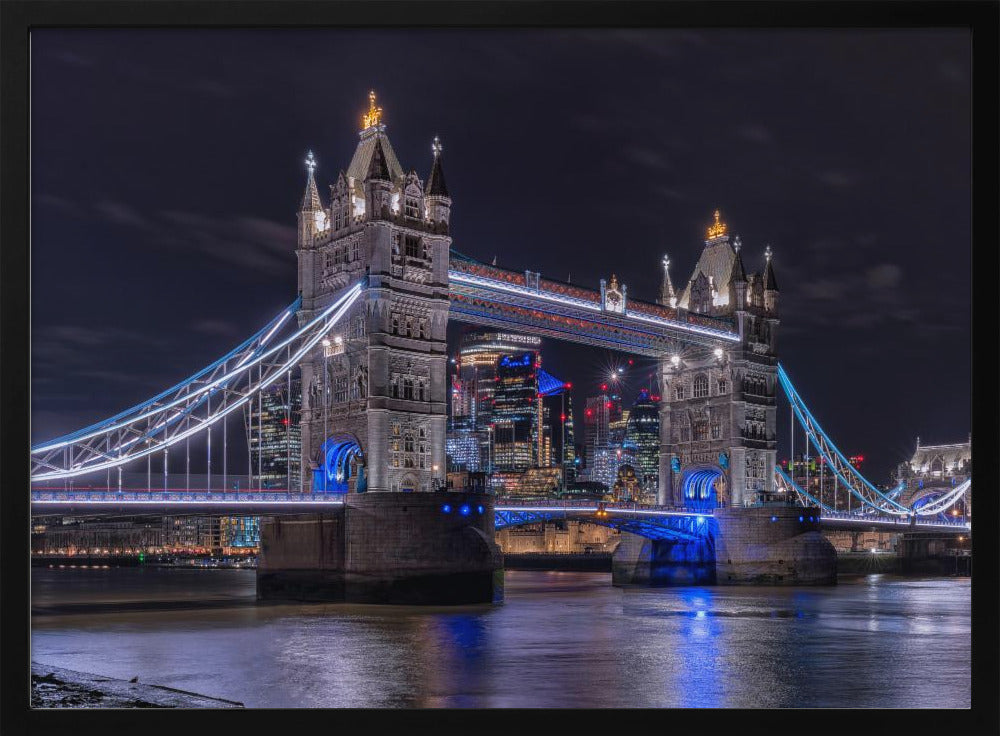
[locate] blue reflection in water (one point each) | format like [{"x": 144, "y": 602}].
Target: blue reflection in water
[{"x": 561, "y": 640}]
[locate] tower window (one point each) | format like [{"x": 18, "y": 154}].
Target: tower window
[
  {"x": 701, "y": 386},
  {"x": 413, "y": 249},
  {"x": 411, "y": 208},
  {"x": 723, "y": 386},
  {"x": 408, "y": 388},
  {"x": 679, "y": 391}
]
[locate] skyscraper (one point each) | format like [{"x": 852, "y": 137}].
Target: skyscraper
[
  {"x": 274, "y": 437},
  {"x": 517, "y": 413},
  {"x": 642, "y": 434},
  {"x": 469, "y": 439},
  {"x": 601, "y": 411}
]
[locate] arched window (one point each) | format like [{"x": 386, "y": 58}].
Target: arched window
[
  {"x": 701, "y": 386},
  {"x": 723, "y": 386},
  {"x": 679, "y": 391}
]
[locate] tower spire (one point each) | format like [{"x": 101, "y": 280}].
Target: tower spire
[
  {"x": 310, "y": 199},
  {"x": 770, "y": 282},
  {"x": 372, "y": 118},
  {"x": 718, "y": 228},
  {"x": 667, "y": 293},
  {"x": 436, "y": 186}
]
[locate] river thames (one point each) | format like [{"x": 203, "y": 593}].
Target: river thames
[{"x": 561, "y": 640}]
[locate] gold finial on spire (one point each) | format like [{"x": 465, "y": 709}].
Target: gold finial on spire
[
  {"x": 718, "y": 227},
  {"x": 374, "y": 115},
  {"x": 614, "y": 283}
]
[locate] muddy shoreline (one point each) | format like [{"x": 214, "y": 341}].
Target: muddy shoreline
[{"x": 55, "y": 687}]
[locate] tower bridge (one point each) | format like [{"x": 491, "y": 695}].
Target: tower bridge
[{"x": 378, "y": 283}]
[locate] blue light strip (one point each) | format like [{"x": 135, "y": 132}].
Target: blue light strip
[
  {"x": 808, "y": 420},
  {"x": 204, "y": 371},
  {"x": 338, "y": 310}
]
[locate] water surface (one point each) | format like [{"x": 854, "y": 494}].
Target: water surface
[{"x": 560, "y": 640}]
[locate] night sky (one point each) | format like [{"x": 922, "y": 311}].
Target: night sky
[{"x": 167, "y": 168}]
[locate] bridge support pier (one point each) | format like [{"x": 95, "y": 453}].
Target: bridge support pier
[
  {"x": 778, "y": 545},
  {"x": 403, "y": 548},
  {"x": 662, "y": 562}
]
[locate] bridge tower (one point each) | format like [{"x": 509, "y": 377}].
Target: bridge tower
[
  {"x": 717, "y": 419},
  {"x": 374, "y": 411}
]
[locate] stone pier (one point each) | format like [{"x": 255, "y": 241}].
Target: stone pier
[
  {"x": 641, "y": 561},
  {"x": 747, "y": 546},
  {"x": 406, "y": 548},
  {"x": 777, "y": 545}
]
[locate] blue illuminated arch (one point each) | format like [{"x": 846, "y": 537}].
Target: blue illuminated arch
[
  {"x": 698, "y": 488},
  {"x": 339, "y": 453}
]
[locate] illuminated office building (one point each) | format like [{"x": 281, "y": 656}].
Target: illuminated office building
[
  {"x": 600, "y": 413},
  {"x": 274, "y": 436},
  {"x": 642, "y": 435},
  {"x": 517, "y": 440}
]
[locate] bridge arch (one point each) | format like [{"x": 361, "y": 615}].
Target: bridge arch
[
  {"x": 703, "y": 486},
  {"x": 340, "y": 459}
]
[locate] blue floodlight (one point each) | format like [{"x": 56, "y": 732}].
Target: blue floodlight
[
  {"x": 446, "y": 508},
  {"x": 464, "y": 511},
  {"x": 774, "y": 518},
  {"x": 801, "y": 519},
  {"x": 480, "y": 509}
]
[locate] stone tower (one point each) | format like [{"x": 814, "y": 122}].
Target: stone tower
[
  {"x": 717, "y": 419},
  {"x": 373, "y": 413}
]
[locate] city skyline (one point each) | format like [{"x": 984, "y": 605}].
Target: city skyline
[{"x": 858, "y": 271}]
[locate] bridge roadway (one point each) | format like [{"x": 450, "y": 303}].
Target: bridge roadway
[{"x": 645, "y": 520}]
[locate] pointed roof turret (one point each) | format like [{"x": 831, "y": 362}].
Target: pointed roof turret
[
  {"x": 436, "y": 186},
  {"x": 770, "y": 283},
  {"x": 667, "y": 293},
  {"x": 372, "y": 133},
  {"x": 310, "y": 199},
  {"x": 737, "y": 274},
  {"x": 377, "y": 167}
]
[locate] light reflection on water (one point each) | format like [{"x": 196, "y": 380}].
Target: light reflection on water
[{"x": 560, "y": 640}]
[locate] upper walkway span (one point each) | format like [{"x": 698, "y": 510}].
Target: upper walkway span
[{"x": 495, "y": 297}]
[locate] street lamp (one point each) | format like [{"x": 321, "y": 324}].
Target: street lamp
[{"x": 675, "y": 360}]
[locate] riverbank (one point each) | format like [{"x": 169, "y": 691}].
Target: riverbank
[{"x": 55, "y": 687}]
